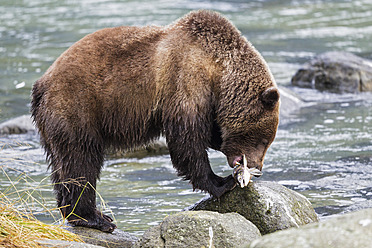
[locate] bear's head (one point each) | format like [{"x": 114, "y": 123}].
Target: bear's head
[
  {"x": 248, "y": 111},
  {"x": 251, "y": 131},
  {"x": 244, "y": 94}
]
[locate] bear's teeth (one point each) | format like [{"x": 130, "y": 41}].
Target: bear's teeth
[{"x": 245, "y": 162}]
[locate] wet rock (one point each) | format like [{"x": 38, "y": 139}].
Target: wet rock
[
  {"x": 64, "y": 244},
  {"x": 349, "y": 230},
  {"x": 155, "y": 148},
  {"x": 151, "y": 238},
  {"x": 337, "y": 72},
  {"x": 200, "y": 229},
  {"x": 289, "y": 104},
  {"x": 358, "y": 206},
  {"x": 18, "y": 125},
  {"x": 270, "y": 206},
  {"x": 92, "y": 236}
]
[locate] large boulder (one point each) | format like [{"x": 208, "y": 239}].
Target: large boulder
[
  {"x": 200, "y": 229},
  {"x": 268, "y": 205},
  {"x": 348, "y": 230},
  {"x": 337, "y": 72}
]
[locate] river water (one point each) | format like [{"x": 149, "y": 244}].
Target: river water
[{"x": 324, "y": 151}]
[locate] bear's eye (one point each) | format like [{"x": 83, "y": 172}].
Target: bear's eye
[{"x": 265, "y": 142}]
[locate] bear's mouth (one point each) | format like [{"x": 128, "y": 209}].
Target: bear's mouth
[
  {"x": 241, "y": 173},
  {"x": 239, "y": 160}
]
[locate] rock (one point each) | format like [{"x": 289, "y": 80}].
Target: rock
[
  {"x": 337, "y": 72},
  {"x": 289, "y": 104},
  {"x": 200, "y": 229},
  {"x": 270, "y": 206},
  {"x": 92, "y": 236},
  {"x": 64, "y": 244},
  {"x": 18, "y": 125},
  {"x": 151, "y": 238},
  {"x": 357, "y": 206},
  {"x": 348, "y": 230},
  {"x": 155, "y": 148}
]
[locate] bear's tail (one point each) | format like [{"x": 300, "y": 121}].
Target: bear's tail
[{"x": 37, "y": 95}]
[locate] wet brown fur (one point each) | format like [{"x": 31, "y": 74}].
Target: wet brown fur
[{"x": 196, "y": 81}]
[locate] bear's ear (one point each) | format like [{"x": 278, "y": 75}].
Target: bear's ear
[{"x": 270, "y": 97}]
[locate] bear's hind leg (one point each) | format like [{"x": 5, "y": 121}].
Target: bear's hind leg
[{"x": 76, "y": 169}]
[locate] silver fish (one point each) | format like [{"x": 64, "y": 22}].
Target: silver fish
[{"x": 243, "y": 174}]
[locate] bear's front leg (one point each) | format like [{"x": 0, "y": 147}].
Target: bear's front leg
[{"x": 188, "y": 146}]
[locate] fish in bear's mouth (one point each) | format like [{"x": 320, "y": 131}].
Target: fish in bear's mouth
[{"x": 242, "y": 174}]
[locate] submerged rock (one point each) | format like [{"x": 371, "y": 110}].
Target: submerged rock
[
  {"x": 92, "y": 236},
  {"x": 270, "y": 206},
  {"x": 337, "y": 72},
  {"x": 154, "y": 148},
  {"x": 18, "y": 125},
  {"x": 348, "y": 230},
  {"x": 200, "y": 229}
]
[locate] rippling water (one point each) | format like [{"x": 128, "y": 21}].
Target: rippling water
[{"x": 324, "y": 150}]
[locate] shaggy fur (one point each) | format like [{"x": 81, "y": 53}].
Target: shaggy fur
[{"x": 196, "y": 81}]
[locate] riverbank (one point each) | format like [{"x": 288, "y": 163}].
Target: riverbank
[{"x": 225, "y": 227}]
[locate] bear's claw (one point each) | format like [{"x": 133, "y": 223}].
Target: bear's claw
[{"x": 98, "y": 221}]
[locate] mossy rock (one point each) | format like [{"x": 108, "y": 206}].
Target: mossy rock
[
  {"x": 348, "y": 230},
  {"x": 200, "y": 229},
  {"x": 270, "y": 206}
]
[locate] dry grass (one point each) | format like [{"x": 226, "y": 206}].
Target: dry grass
[
  {"x": 18, "y": 224},
  {"x": 18, "y": 229}
]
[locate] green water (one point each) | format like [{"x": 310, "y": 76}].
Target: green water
[{"x": 325, "y": 152}]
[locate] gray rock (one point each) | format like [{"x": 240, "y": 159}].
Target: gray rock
[
  {"x": 200, "y": 229},
  {"x": 154, "y": 148},
  {"x": 358, "y": 206},
  {"x": 64, "y": 244},
  {"x": 18, "y": 125},
  {"x": 348, "y": 230},
  {"x": 151, "y": 238},
  {"x": 92, "y": 236},
  {"x": 290, "y": 103},
  {"x": 337, "y": 72},
  {"x": 270, "y": 206}
]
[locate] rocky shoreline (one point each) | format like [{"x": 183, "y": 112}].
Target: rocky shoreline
[{"x": 264, "y": 214}]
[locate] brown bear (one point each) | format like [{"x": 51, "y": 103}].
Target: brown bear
[{"x": 197, "y": 81}]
